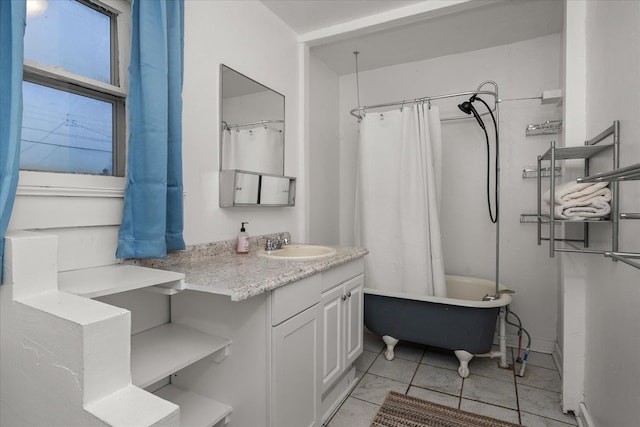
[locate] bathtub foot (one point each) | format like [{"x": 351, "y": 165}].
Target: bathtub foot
[
  {"x": 464, "y": 357},
  {"x": 391, "y": 343}
]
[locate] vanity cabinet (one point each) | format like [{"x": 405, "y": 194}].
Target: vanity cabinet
[
  {"x": 342, "y": 317},
  {"x": 317, "y": 326},
  {"x": 295, "y": 354},
  {"x": 294, "y": 386}
]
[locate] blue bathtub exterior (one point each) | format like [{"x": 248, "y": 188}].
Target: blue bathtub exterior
[{"x": 450, "y": 327}]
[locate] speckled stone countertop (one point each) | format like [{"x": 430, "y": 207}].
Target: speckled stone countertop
[{"x": 216, "y": 268}]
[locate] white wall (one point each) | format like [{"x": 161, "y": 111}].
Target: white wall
[
  {"x": 84, "y": 211},
  {"x": 324, "y": 154},
  {"x": 247, "y": 37},
  {"x": 521, "y": 69},
  {"x": 612, "y": 290}
]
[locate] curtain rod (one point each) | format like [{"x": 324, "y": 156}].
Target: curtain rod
[
  {"x": 264, "y": 123},
  {"x": 425, "y": 99}
]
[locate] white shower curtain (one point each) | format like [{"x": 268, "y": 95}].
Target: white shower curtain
[
  {"x": 257, "y": 150},
  {"x": 397, "y": 196}
]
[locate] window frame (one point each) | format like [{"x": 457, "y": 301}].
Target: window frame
[{"x": 114, "y": 93}]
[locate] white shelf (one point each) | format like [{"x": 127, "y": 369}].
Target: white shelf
[
  {"x": 163, "y": 350},
  {"x": 195, "y": 410},
  {"x": 112, "y": 279}
]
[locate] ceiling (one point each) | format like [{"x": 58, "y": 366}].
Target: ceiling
[
  {"x": 486, "y": 24},
  {"x": 304, "y": 16}
]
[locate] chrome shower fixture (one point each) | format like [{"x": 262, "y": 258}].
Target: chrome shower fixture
[{"x": 468, "y": 108}]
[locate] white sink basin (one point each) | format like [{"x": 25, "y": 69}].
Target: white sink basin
[{"x": 299, "y": 252}]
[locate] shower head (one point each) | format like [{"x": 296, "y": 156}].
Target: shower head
[{"x": 467, "y": 108}]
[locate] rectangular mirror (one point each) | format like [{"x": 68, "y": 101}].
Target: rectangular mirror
[
  {"x": 252, "y": 144},
  {"x": 252, "y": 125}
]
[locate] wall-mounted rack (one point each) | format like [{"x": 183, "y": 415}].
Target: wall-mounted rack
[
  {"x": 628, "y": 173},
  {"x": 545, "y": 172},
  {"x": 616, "y": 175},
  {"x": 550, "y": 127},
  {"x": 590, "y": 149}
]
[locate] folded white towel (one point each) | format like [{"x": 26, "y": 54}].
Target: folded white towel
[
  {"x": 577, "y": 202},
  {"x": 593, "y": 208},
  {"x": 575, "y": 192}
]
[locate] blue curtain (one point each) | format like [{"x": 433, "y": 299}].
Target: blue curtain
[
  {"x": 152, "y": 218},
  {"x": 12, "y": 23}
]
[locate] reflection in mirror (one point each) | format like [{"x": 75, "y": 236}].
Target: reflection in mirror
[{"x": 252, "y": 125}]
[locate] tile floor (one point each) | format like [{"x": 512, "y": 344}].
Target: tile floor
[{"x": 533, "y": 400}]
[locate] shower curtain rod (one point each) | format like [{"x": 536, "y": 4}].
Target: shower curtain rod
[
  {"x": 264, "y": 123},
  {"x": 429, "y": 99}
]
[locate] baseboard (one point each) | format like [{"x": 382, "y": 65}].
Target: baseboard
[
  {"x": 557, "y": 357},
  {"x": 584, "y": 417}
]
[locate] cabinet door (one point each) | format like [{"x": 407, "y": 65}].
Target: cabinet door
[
  {"x": 353, "y": 318},
  {"x": 332, "y": 338},
  {"x": 295, "y": 397}
]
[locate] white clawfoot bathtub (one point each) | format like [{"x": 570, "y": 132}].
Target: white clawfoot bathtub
[{"x": 462, "y": 322}]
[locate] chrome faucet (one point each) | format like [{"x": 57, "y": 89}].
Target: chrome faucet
[{"x": 275, "y": 244}]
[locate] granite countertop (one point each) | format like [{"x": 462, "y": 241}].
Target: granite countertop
[{"x": 216, "y": 268}]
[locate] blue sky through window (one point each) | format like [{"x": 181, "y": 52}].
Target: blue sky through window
[{"x": 64, "y": 131}]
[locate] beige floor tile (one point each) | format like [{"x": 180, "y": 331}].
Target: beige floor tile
[
  {"x": 490, "y": 390},
  {"x": 374, "y": 389},
  {"x": 542, "y": 402},
  {"x": 438, "y": 379},
  {"x": 493, "y": 411},
  {"x": 372, "y": 343},
  {"x": 441, "y": 359},
  {"x": 365, "y": 360},
  {"x": 542, "y": 360},
  {"x": 397, "y": 369},
  {"x": 531, "y": 420},
  {"x": 546, "y": 379},
  {"x": 354, "y": 413},
  {"x": 488, "y": 367}
]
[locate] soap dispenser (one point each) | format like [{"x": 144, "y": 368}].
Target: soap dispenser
[{"x": 242, "y": 245}]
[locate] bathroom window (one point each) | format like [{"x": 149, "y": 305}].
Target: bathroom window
[{"x": 74, "y": 86}]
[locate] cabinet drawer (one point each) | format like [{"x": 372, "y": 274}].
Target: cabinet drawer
[
  {"x": 342, "y": 273},
  {"x": 291, "y": 299}
]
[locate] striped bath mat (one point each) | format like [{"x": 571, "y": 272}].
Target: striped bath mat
[{"x": 399, "y": 410}]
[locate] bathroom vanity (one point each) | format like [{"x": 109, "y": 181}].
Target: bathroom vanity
[{"x": 294, "y": 327}]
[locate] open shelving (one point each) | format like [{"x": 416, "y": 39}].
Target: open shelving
[
  {"x": 161, "y": 351},
  {"x": 195, "y": 410},
  {"x": 614, "y": 177},
  {"x": 586, "y": 152},
  {"x": 112, "y": 279}
]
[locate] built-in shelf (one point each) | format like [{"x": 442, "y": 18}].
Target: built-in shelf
[
  {"x": 195, "y": 410},
  {"x": 112, "y": 279},
  {"x": 163, "y": 350}
]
